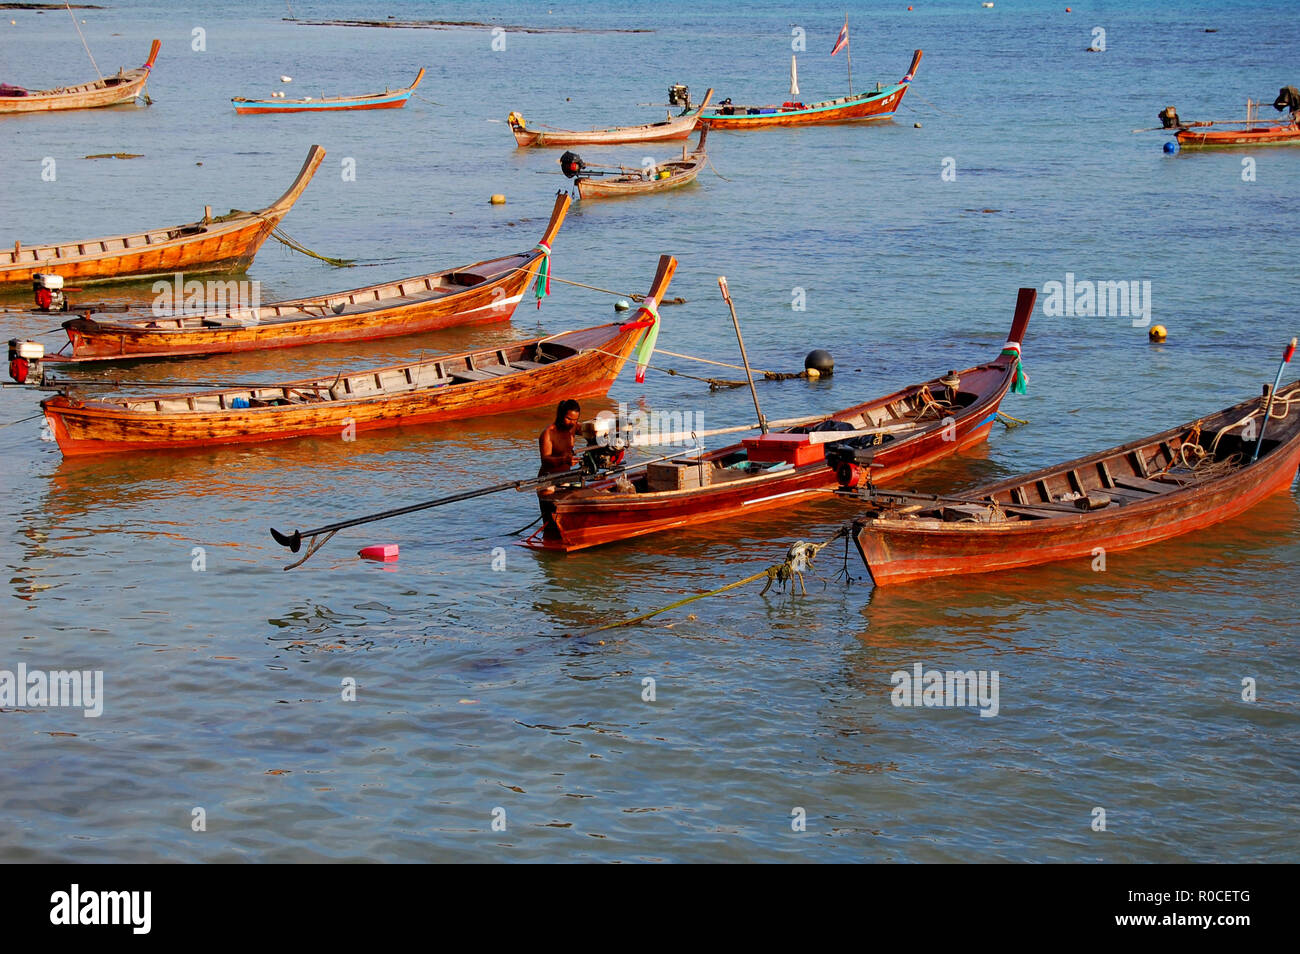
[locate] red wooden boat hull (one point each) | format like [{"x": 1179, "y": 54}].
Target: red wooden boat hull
[
  {"x": 396, "y": 103},
  {"x": 1270, "y": 136},
  {"x": 589, "y": 517},
  {"x": 896, "y": 553},
  {"x": 878, "y": 105}
]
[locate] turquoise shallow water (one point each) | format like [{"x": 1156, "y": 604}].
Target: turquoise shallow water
[{"x": 1119, "y": 690}]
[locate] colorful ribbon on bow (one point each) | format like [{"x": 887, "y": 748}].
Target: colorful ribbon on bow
[
  {"x": 1019, "y": 383},
  {"x": 543, "y": 286},
  {"x": 648, "y": 338}
]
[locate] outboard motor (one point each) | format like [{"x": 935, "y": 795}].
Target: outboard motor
[
  {"x": 48, "y": 290},
  {"x": 679, "y": 95},
  {"x": 1288, "y": 98},
  {"x": 571, "y": 164},
  {"x": 852, "y": 465},
  {"x": 25, "y": 359},
  {"x": 601, "y": 458},
  {"x": 1169, "y": 118}
]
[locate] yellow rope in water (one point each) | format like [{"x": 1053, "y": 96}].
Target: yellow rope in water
[
  {"x": 285, "y": 239},
  {"x": 1007, "y": 419},
  {"x": 798, "y": 559}
]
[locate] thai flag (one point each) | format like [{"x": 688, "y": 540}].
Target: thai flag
[{"x": 843, "y": 39}]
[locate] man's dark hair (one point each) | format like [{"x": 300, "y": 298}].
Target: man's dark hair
[{"x": 561, "y": 412}]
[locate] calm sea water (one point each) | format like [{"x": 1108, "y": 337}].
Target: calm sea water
[{"x": 481, "y": 694}]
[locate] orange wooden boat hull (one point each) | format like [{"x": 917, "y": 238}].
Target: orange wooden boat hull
[
  {"x": 1269, "y": 136},
  {"x": 312, "y": 321},
  {"x": 197, "y": 247},
  {"x": 471, "y": 384},
  {"x": 82, "y": 429},
  {"x": 110, "y": 91},
  {"x": 896, "y": 553},
  {"x": 591, "y": 516},
  {"x": 878, "y": 105}
]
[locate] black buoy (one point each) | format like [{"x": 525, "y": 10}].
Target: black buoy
[{"x": 819, "y": 364}]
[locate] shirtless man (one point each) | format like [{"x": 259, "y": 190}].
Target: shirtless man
[{"x": 556, "y": 446}]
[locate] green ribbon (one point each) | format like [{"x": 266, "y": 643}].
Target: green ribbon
[
  {"x": 543, "y": 286},
  {"x": 1019, "y": 383}
]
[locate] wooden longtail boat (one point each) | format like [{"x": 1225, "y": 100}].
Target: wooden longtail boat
[
  {"x": 480, "y": 293},
  {"x": 222, "y": 244},
  {"x": 679, "y": 127},
  {"x": 574, "y": 364},
  {"x": 1175, "y": 482},
  {"x": 107, "y": 91},
  {"x": 1251, "y": 131},
  {"x": 658, "y": 178},
  {"x": 880, "y": 103},
  {"x": 905, "y": 430},
  {"x": 388, "y": 99}
]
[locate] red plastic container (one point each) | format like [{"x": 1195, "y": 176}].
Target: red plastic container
[{"x": 796, "y": 449}]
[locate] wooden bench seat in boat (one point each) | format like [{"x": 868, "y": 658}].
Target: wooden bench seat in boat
[
  {"x": 467, "y": 375},
  {"x": 1143, "y": 484}
]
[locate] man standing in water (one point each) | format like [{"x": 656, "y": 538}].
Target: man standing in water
[{"x": 555, "y": 444}]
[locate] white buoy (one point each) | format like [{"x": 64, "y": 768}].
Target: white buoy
[{"x": 286, "y": 79}]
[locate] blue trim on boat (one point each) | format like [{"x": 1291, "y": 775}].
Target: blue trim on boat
[{"x": 287, "y": 104}]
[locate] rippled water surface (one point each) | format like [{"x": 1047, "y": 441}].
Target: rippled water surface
[{"x": 485, "y": 694}]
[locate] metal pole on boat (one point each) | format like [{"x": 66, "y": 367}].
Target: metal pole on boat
[
  {"x": 726, "y": 296},
  {"x": 848, "y": 50},
  {"x": 1268, "y": 405}
]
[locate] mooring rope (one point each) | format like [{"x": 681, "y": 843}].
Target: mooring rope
[
  {"x": 1008, "y": 420},
  {"x": 633, "y": 296},
  {"x": 715, "y": 384},
  {"x": 23, "y": 420},
  {"x": 798, "y": 559},
  {"x": 285, "y": 239},
  {"x": 83, "y": 39}
]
